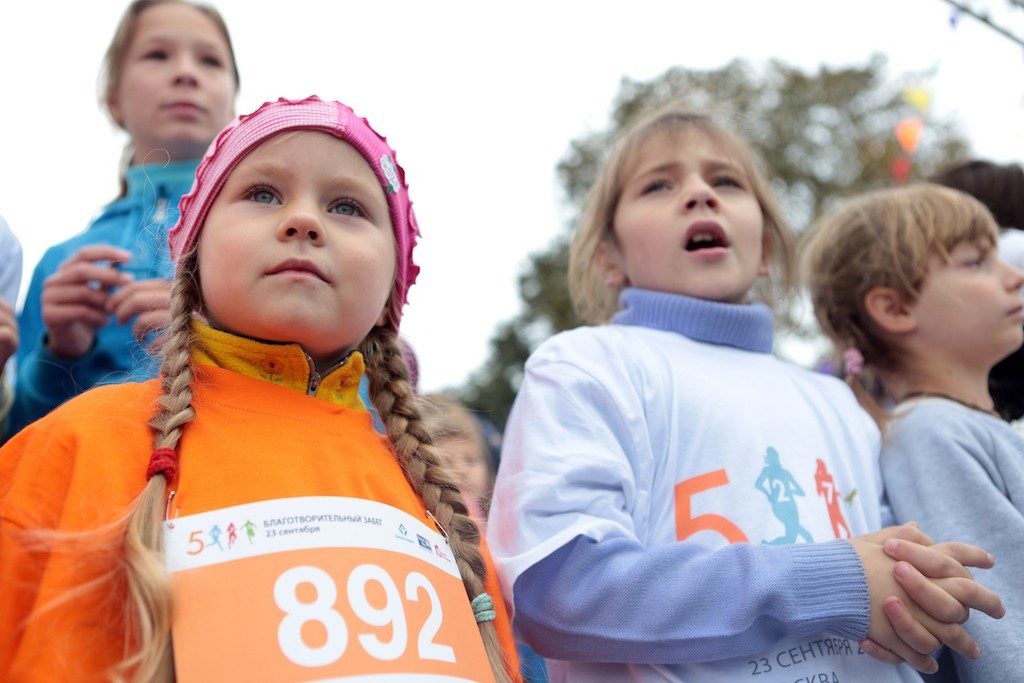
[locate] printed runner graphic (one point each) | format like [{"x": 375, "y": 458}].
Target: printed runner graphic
[
  {"x": 780, "y": 487},
  {"x": 827, "y": 490},
  {"x": 324, "y": 589}
]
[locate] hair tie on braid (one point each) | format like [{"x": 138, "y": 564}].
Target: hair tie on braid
[
  {"x": 163, "y": 461},
  {"x": 853, "y": 361},
  {"x": 483, "y": 607}
]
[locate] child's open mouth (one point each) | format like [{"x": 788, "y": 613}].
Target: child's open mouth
[{"x": 705, "y": 235}]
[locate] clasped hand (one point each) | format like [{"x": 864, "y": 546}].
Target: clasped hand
[
  {"x": 88, "y": 290},
  {"x": 921, "y": 593}
]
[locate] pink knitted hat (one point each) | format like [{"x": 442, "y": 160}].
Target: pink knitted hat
[{"x": 248, "y": 131}]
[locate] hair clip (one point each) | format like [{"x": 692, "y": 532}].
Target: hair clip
[{"x": 853, "y": 361}]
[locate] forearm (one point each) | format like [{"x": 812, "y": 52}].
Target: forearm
[{"x": 602, "y": 601}]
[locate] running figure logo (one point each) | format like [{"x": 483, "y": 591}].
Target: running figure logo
[
  {"x": 215, "y": 533},
  {"x": 827, "y": 490},
  {"x": 780, "y": 487}
]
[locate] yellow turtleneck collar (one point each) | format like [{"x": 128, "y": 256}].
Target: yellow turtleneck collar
[{"x": 284, "y": 364}]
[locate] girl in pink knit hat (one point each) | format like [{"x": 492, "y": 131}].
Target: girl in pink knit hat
[{"x": 240, "y": 517}]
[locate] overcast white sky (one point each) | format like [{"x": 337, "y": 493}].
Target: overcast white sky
[{"x": 479, "y": 99}]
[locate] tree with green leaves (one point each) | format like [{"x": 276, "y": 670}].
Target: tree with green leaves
[{"x": 823, "y": 135}]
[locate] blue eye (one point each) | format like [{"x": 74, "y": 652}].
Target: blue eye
[
  {"x": 262, "y": 195},
  {"x": 347, "y": 207},
  {"x": 158, "y": 55},
  {"x": 656, "y": 186},
  {"x": 727, "y": 181},
  {"x": 212, "y": 61}
]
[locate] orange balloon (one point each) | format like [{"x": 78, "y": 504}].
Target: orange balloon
[{"x": 908, "y": 133}]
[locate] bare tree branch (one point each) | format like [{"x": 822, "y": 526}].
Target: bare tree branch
[{"x": 983, "y": 18}]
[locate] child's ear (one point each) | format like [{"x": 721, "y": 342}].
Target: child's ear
[
  {"x": 609, "y": 263},
  {"x": 115, "y": 110},
  {"x": 890, "y": 311}
]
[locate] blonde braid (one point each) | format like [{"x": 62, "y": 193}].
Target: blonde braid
[
  {"x": 394, "y": 399},
  {"x": 149, "y": 585}
]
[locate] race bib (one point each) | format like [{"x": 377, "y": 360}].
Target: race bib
[{"x": 317, "y": 589}]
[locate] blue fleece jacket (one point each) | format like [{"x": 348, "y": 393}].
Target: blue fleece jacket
[{"x": 138, "y": 222}]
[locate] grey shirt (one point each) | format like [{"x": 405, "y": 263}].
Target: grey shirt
[{"x": 959, "y": 473}]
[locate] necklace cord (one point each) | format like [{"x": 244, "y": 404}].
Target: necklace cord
[{"x": 954, "y": 399}]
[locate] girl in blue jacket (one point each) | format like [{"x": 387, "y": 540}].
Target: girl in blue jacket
[{"x": 169, "y": 80}]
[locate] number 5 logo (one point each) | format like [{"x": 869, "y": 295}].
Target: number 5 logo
[{"x": 687, "y": 525}]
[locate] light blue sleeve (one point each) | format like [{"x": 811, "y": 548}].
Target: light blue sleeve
[
  {"x": 616, "y": 601},
  {"x": 10, "y": 283},
  {"x": 10, "y": 264}
]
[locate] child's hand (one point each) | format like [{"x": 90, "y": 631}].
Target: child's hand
[
  {"x": 919, "y": 603},
  {"x": 149, "y": 299},
  {"x": 8, "y": 332},
  {"x": 74, "y": 298},
  {"x": 936, "y": 579}
]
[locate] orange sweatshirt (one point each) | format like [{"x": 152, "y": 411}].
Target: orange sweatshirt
[{"x": 256, "y": 436}]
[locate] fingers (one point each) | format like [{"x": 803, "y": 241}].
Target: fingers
[
  {"x": 86, "y": 274},
  {"x": 148, "y": 322},
  {"x": 957, "y": 638},
  {"x": 140, "y": 297},
  {"x": 972, "y": 594},
  {"x": 923, "y": 662},
  {"x": 930, "y": 596},
  {"x": 62, "y": 294},
  {"x": 69, "y": 314},
  {"x": 8, "y": 332},
  {"x": 927, "y": 560},
  {"x": 150, "y": 300},
  {"x": 879, "y": 652},
  {"x": 100, "y": 252},
  {"x": 939, "y": 604},
  {"x": 911, "y": 532},
  {"x": 908, "y": 628},
  {"x": 8, "y": 342},
  {"x": 966, "y": 554},
  {"x": 9, "y": 336},
  {"x": 907, "y": 532}
]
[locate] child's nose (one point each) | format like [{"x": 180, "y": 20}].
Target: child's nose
[
  {"x": 186, "y": 71},
  {"x": 1014, "y": 277},
  {"x": 697, "y": 194},
  {"x": 301, "y": 225}
]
